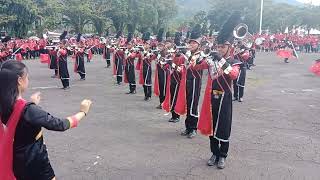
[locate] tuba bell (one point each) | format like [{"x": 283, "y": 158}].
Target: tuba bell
[
  {"x": 241, "y": 33},
  {"x": 52, "y": 36}
]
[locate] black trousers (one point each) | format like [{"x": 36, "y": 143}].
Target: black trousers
[
  {"x": 238, "y": 90},
  {"x": 221, "y": 109},
  {"x": 162, "y": 79},
  {"x": 82, "y": 76},
  {"x": 174, "y": 89},
  {"x": 191, "y": 123},
  {"x": 147, "y": 91},
  {"x": 219, "y": 148},
  {"x": 193, "y": 90},
  {"x": 65, "y": 82},
  {"x": 119, "y": 79},
  {"x": 161, "y": 99},
  {"x": 175, "y": 115},
  {"x": 132, "y": 87}
]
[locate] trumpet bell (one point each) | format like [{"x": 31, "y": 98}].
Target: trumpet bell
[{"x": 240, "y": 31}]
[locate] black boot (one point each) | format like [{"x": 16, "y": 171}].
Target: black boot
[
  {"x": 221, "y": 163},
  {"x": 213, "y": 160},
  {"x": 192, "y": 134},
  {"x": 184, "y": 133}
]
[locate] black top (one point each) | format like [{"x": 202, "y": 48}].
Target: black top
[{"x": 31, "y": 121}]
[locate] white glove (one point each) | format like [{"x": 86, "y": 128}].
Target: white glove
[
  {"x": 225, "y": 66},
  {"x": 221, "y": 62},
  {"x": 173, "y": 65},
  {"x": 210, "y": 61},
  {"x": 188, "y": 54}
]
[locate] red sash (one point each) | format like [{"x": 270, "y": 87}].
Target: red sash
[{"x": 7, "y": 133}]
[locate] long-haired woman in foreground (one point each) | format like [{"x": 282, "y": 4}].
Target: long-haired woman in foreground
[{"x": 27, "y": 157}]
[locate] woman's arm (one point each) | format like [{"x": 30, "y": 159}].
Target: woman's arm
[{"x": 38, "y": 117}]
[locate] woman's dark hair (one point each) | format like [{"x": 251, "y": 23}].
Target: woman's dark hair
[{"x": 10, "y": 71}]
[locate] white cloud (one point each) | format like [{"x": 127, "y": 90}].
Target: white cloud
[{"x": 314, "y": 2}]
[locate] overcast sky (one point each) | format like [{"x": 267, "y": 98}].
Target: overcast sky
[{"x": 315, "y": 2}]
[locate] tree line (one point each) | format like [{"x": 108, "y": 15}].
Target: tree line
[{"x": 32, "y": 17}]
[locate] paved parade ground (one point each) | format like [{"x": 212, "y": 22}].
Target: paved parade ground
[{"x": 275, "y": 132}]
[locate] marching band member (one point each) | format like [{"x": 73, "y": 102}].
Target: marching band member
[
  {"x": 173, "y": 85},
  {"x": 63, "y": 65},
  {"x": 53, "y": 61},
  {"x": 287, "y": 51},
  {"x": 79, "y": 63},
  {"x": 119, "y": 57},
  {"x": 145, "y": 77},
  {"x": 193, "y": 85},
  {"x": 130, "y": 76},
  {"x": 107, "y": 54},
  {"x": 238, "y": 85},
  {"x": 216, "y": 113},
  {"x": 162, "y": 72},
  {"x": 4, "y": 55}
]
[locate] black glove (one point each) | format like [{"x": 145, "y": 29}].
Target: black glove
[{"x": 215, "y": 56}]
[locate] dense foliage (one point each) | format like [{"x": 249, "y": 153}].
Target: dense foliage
[{"x": 32, "y": 17}]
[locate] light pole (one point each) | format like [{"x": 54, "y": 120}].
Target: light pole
[{"x": 261, "y": 12}]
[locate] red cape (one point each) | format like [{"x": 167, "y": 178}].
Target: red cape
[
  {"x": 167, "y": 101},
  {"x": 139, "y": 63},
  {"x": 139, "y": 67},
  {"x": 181, "y": 105},
  {"x": 114, "y": 64},
  {"x": 156, "y": 83},
  {"x": 205, "y": 119},
  {"x": 125, "y": 78}
]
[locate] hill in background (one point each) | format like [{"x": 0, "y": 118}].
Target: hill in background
[{"x": 187, "y": 8}]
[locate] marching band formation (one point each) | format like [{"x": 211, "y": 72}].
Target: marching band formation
[{"x": 178, "y": 72}]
